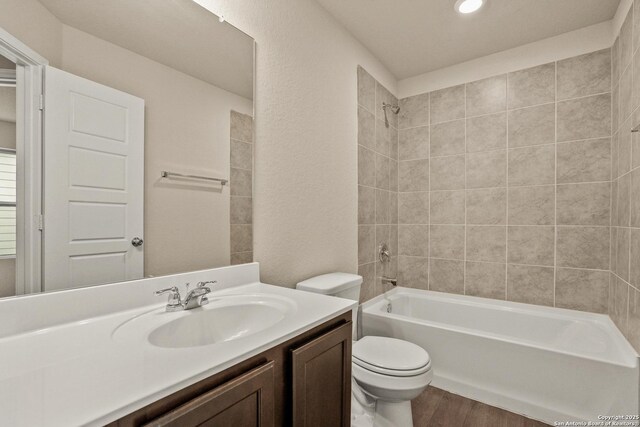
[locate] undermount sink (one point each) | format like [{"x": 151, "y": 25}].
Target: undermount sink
[{"x": 225, "y": 318}]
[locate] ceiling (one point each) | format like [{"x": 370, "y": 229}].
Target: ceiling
[
  {"x": 412, "y": 37},
  {"x": 177, "y": 33}
]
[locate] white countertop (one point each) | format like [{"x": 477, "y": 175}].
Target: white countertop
[{"x": 76, "y": 374}]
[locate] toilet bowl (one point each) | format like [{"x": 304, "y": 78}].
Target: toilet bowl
[{"x": 387, "y": 372}]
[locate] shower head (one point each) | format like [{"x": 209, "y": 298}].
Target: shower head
[{"x": 394, "y": 109}]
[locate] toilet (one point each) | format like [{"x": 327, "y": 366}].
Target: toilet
[{"x": 387, "y": 372}]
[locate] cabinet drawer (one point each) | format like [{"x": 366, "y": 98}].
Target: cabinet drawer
[{"x": 245, "y": 401}]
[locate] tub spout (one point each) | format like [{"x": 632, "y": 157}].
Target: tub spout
[{"x": 389, "y": 281}]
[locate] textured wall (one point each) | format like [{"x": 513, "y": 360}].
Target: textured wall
[
  {"x": 504, "y": 186},
  {"x": 624, "y": 304}
]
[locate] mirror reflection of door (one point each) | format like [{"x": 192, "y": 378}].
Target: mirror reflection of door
[{"x": 7, "y": 177}]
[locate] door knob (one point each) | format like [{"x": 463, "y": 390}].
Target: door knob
[{"x": 136, "y": 241}]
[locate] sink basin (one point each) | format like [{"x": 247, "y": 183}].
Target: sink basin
[{"x": 224, "y": 319}]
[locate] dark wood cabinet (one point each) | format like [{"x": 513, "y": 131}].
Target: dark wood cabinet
[
  {"x": 322, "y": 380},
  {"x": 305, "y": 381}
]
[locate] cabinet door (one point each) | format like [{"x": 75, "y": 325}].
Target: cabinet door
[
  {"x": 322, "y": 380},
  {"x": 246, "y": 401}
]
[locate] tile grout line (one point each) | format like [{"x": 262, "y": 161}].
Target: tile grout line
[
  {"x": 464, "y": 255},
  {"x": 555, "y": 187},
  {"x": 506, "y": 218}
]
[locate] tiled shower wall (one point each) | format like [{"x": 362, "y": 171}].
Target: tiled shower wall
[
  {"x": 241, "y": 188},
  {"x": 624, "y": 303},
  {"x": 377, "y": 183},
  {"x": 505, "y": 186}
]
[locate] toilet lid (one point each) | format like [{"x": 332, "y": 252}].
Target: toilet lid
[{"x": 390, "y": 356}]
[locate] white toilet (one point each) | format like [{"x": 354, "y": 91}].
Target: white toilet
[{"x": 388, "y": 372}]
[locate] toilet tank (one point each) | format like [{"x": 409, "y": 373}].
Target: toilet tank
[{"x": 341, "y": 285}]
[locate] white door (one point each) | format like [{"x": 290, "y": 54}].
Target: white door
[{"x": 93, "y": 183}]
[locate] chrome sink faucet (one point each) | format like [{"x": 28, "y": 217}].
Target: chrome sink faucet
[{"x": 196, "y": 297}]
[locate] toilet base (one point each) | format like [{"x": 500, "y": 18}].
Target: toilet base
[{"x": 393, "y": 414}]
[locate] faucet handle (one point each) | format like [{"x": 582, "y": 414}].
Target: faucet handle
[
  {"x": 208, "y": 282},
  {"x": 174, "y": 298}
]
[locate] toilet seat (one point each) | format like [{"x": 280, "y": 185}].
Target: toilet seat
[{"x": 390, "y": 356}]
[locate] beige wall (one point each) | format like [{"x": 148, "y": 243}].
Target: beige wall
[
  {"x": 624, "y": 302},
  {"x": 187, "y": 131},
  {"x": 241, "y": 188},
  {"x": 305, "y": 207}
]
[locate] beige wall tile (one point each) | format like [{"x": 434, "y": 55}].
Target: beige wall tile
[
  {"x": 414, "y": 143},
  {"x": 532, "y": 205},
  {"x": 447, "y": 207},
  {"x": 486, "y": 133},
  {"x": 584, "y": 161},
  {"x": 447, "y": 138},
  {"x": 447, "y": 241},
  {"x": 413, "y": 272},
  {"x": 584, "y": 75},
  {"x": 382, "y": 172},
  {"x": 487, "y": 280},
  {"x": 486, "y": 169},
  {"x": 414, "y": 111},
  {"x": 635, "y": 96},
  {"x": 532, "y": 126},
  {"x": 636, "y": 25},
  {"x": 633, "y": 321},
  {"x": 382, "y": 236},
  {"x": 584, "y": 118},
  {"x": 241, "y": 127},
  {"x": 619, "y": 303},
  {"x": 487, "y": 206},
  {"x": 532, "y": 86},
  {"x": 383, "y": 138},
  {"x": 241, "y": 238},
  {"x": 447, "y": 104},
  {"x": 532, "y": 165},
  {"x": 626, "y": 100},
  {"x": 368, "y": 288},
  {"x": 366, "y": 167},
  {"x": 634, "y": 199},
  {"x": 624, "y": 201},
  {"x": 366, "y": 90},
  {"x": 383, "y": 211},
  {"x": 393, "y": 240},
  {"x": 413, "y": 208},
  {"x": 240, "y": 182},
  {"x": 366, "y": 244},
  {"x": 393, "y": 175},
  {"x": 586, "y": 290},
  {"x": 486, "y": 243},
  {"x": 413, "y": 240},
  {"x": 241, "y": 258},
  {"x": 366, "y": 205},
  {"x": 487, "y": 96},
  {"x": 241, "y": 210},
  {"x": 583, "y": 204},
  {"x": 615, "y": 61},
  {"x": 626, "y": 41},
  {"x": 413, "y": 175},
  {"x": 366, "y": 128},
  {"x": 622, "y": 253},
  {"x": 447, "y": 173},
  {"x": 384, "y": 96},
  {"x": 446, "y": 276},
  {"x": 615, "y": 107},
  {"x": 531, "y": 245},
  {"x": 530, "y": 284},
  {"x": 583, "y": 247},
  {"x": 241, "y": 155},
  {"x": 634, "y": 274},
  {"x": 393, "y": 208},
  {"x": 624, "y": 148}
]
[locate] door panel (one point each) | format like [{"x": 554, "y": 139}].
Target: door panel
[{"x": 93, "y": 183}]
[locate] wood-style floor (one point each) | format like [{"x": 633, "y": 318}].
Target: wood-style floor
[{"x": 439, "y": 408}]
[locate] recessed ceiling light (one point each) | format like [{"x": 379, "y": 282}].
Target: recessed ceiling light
[{"x": 468, "y": 6}]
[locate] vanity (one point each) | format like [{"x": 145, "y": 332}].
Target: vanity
[{"x": 255, "y": 355}]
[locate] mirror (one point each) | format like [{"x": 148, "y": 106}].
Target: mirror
[{"x": 139, "y": 162}]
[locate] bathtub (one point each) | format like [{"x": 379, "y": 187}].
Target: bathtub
[{"x": 546, "y": 363}]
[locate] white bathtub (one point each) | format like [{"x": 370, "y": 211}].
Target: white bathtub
[{"x": 546, "y": 363}]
